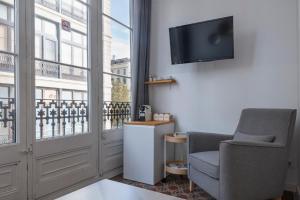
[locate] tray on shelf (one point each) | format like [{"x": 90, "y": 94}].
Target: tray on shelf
[{"x": 178, "y": 167}]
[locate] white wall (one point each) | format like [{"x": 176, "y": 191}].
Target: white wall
[{"x": 210, "y": 96}]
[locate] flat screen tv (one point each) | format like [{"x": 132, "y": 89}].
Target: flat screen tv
[{"x": 202, "y": 42}]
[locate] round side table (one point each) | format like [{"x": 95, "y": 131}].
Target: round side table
[{"x": 177, "y": 167}]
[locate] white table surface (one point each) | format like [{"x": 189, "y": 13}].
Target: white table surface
[{"x": 112, "y": 190}]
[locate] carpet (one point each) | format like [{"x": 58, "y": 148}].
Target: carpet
[{"x": 177, "y": 186}]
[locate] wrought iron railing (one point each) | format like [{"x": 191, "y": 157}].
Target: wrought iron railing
[
  {"x": 60, "y": 71},
  {"x": 7, "y": 120},
  {"x": 7, "y": 62},
  {"x": 60, "y": 117},
  {"x": 115, "y": 114},
  {"x": 46, "y": 69}
]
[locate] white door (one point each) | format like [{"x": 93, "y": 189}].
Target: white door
[
  {"x": 116, "y": 90},
  {"x": 13, "y": 149},
  {"x": 65, "y": 144}
]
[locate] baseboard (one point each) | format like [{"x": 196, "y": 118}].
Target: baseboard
[{"x": 113, "y": 173}]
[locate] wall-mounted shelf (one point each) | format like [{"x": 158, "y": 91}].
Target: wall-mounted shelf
[{"x": 158, "y": 82}]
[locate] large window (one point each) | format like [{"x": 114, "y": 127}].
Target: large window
[
  {"x": 117, "y": 33},
  {"x": 62, "y": 69},
  {"x": 8, "y": 56}
]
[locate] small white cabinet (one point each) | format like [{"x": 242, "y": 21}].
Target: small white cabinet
[{"x": 144, "y": 150}]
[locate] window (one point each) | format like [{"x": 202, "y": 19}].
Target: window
[
  {"x": 117, "y": 33},
  {"x": 8, "y": 57},
  {"x": 75, "y": 9},
  {"x": 61, "y": 63},
  {"x": 52, "y": 4},
  {"x": 74, "y": 51}
]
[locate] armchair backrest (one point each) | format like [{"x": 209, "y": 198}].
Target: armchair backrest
[{"x": 277, "y": 122}]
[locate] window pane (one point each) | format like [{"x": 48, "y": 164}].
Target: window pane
[
  {"x": 50, "y": 29},
  {"x": 77, "y": 56},
  {"x": 60, "y": 84},
  {"x": 38, "y": 25},
  {"x": 66, "y": 6},
  {"x": 116, "y": 88},
  {"x": 117, "y": 98},
  {"x": 118, "y": 9},
  {"x": 66, "y": 95},
  {"x": 51, "y": 4},
  {"x": 79, "y": 9},
  {"x": 77, "y": 38},
  {"x": 74, "y": 9},
  {"x": 38, "y": 93},
  {"x": 3, "y": 92},
  {"x": 66, "y": 53},
  {"x": 38, "y": 46},
  {"x": 3, "y": 12},
  {"x": 78, "y": 96},
  {"x": 49, "y": 94},
  {"x": 61, "y": 105},
  {"x": 7, "y": 73},
  {"x": 65, "y": 35},
  {"x": 6, "y": 38},
  {"x": 116, "y": 41},
  {"x": 50, "y": 50}
]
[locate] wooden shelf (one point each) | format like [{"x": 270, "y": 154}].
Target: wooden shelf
[
  {"x": 176, "y": 170},
  {"x": 159, "y": 82},
  {"x": 149, "y": 123}
]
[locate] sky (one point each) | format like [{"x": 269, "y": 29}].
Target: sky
[{"x": 120, "y": 34}]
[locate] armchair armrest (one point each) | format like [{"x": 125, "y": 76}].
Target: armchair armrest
[
  {"x": 198, "y": 141},
  {"x": 260, "y": 166}
]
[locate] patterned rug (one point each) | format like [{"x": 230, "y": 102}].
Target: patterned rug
[{"x": 177, "y": 186}]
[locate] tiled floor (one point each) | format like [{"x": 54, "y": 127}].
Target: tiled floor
[{"x": 177, "y": 186}]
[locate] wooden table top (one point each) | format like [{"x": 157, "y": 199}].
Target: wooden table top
[
  {"x": 149, "y": 123},
  {"x": 112, "y": 190}
]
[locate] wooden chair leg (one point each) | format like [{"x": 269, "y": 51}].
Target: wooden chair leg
[{"x": 191, "y": 186}]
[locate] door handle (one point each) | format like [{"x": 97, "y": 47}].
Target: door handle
[
  {"x": 25, "y": 151},
  {"x": 28, "y": 150}
]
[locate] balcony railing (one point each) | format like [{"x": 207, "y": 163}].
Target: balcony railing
[
  {"x": 61, "y": 117},
  {"x": 7, "y": 120},
  {"x": 7, "y": 63},
  {"x": 115, "y": 114},
  {"x": 45, "y": 69}
]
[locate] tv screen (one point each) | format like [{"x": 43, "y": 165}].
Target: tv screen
[{"x": 204, "y": 41}]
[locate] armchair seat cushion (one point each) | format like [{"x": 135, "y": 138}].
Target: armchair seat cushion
[{"x": 206, "y": 162}]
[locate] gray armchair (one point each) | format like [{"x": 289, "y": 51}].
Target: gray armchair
[{"x": 249, "y": 165}]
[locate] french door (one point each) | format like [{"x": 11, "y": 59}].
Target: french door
[
  {"x": 13, "y": 101},
  {"x": 65, "y": 143},
  {"x": 51, "y": 94}
]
